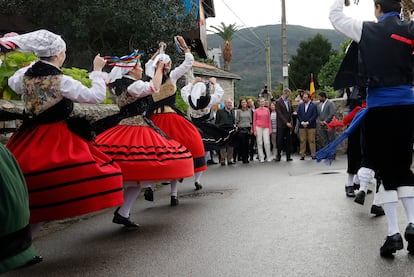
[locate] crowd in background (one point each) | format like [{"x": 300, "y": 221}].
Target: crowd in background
[{"x": 272, "y": 126}]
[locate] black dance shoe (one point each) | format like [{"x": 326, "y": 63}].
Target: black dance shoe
[
  {"x": 391, "y": 245},
  {"x": 302, "y": 158},
  {"x": 289, "y": 159},
  {"x": 174, "y": 201},
  {"x": 149, "y": 194},
  {"x": 349, "y": 191},
  {"x": 119, "y": 219},
  {"x": 33, "y": 261},
  {"x": 360, "y": 197},
  {"x": 198, "y": 186},
  {"x": 377, "y": 210},
  {"x": 278, "y": 158},
  {"x": 409, "y": 236}
]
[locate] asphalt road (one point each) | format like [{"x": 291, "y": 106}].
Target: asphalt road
[{"x": 259, "y": 219}]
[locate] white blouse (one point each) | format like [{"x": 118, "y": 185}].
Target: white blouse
[{"x": 69, "y": 87}]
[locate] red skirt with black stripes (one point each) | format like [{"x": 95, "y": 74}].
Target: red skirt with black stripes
[
  {"x": 66, "y": 175},
  {"x": 145, "y": 154},
  {"x": 183, "y": 131}
]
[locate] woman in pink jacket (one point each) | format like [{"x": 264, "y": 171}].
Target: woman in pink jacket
[{"x": 262, "y": 128}]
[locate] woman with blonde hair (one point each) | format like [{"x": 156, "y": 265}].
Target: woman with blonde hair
[{"x": 262, "y": 128}]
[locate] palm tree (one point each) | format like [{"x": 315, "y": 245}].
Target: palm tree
[{"x": 226, "y": 33}]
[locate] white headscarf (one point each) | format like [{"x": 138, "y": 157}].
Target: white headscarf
[
  {"x": 150, "y": 67},
  {"x": 199, "y": 89},
  {"x": 42, "y": 43}
]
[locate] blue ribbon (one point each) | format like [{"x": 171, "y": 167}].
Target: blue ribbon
[{"x": 376, "y": 97}]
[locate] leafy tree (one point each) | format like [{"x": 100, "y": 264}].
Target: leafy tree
[
  {"x": 109, "y": 27},
  {"x": 226, "y": 32},
  {"x": 329, "y": 70},
  {"x": 311, "y": 56}
]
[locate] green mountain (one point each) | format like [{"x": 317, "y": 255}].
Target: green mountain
[{"x": 249, "y": 56}]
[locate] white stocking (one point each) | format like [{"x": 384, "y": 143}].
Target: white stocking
[
  {"x": 131, "y": 192},
  {"x": 174, "y": 188},
  {"x": 391, "y": 214},
  {"x": 197, "y": 176},
  {"x": 350, "y": 180},
  {"x": 408, "y": 203}
]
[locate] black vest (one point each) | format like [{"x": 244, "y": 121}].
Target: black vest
[
  {"x": 384, "y": 60},
  {"x": 379, "y": 60}
]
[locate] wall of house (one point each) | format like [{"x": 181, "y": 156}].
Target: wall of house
[{"x": 227, "y": 85}]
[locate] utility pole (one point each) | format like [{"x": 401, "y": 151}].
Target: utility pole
[
  {"x": 268, "y": 69},
  {"x": 285, "y": 64}
]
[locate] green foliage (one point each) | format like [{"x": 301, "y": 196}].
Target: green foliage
[
  {"x": 108, "y": 27},
  {"x": 81, "y": 75},
  {"x": 330, "y": 92},
  {"x": 329, "y": 70},
  {"x": 179, "y": 102},
  {"x": 11, "y": 62},
  {"x": 249, "y": 56},
  {"x": 311, "y": 56}
]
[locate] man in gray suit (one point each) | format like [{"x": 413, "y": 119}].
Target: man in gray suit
[{"x": 326, "y": 111}]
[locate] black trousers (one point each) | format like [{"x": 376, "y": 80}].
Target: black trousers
[
  {"x": 387, "y": 144},
  {"x": 354, "y": 152},
  {"x": 243, "y": 145},
  {"x": 252, "y": 144},
  {"x": 284, "y": 141}
]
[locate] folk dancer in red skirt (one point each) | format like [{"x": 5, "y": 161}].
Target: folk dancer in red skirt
[
  {"x": 144, "y": 153},
  {"x": 65, "y": 174},
  {"x": 168, "y": 118},
  {"x": 201, "y": 96}
]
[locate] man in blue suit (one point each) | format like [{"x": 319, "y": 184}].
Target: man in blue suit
[{"x": 307, "y": 114}]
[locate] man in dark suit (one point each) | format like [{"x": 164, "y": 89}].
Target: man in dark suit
[
  {"x": 225, "y": 119},
  {"x": 326, "y": 111},
  {"x": 284, "y": 123},
  {"x": 307, "y": 114}
]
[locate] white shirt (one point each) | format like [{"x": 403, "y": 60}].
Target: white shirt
[
  {"x": 179, "y": 71},
  {"x": 69, "y": 87},
  {"x": 348, "y": 26},
  {"x": 140, "y": 88}
]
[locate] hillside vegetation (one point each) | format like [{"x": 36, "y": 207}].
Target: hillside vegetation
[{"x": 249, "y": 58}]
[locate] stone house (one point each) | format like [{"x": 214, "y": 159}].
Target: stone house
[{"x": 226, "y": 79}]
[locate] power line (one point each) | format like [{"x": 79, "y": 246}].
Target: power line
[{"x": 250, "y": 29}]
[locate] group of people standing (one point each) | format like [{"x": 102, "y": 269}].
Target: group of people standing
[{"x": 268, "y": 128}]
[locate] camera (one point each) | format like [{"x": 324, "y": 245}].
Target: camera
[{"x": 208, "y": 85}]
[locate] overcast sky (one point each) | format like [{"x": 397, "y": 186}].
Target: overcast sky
[{"x": 309, "y": 13}]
